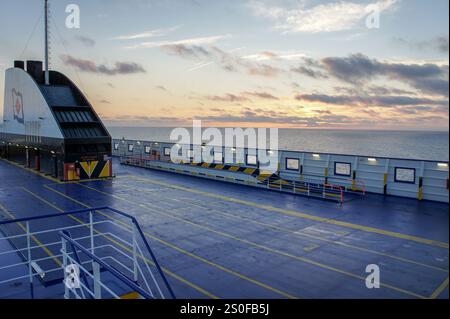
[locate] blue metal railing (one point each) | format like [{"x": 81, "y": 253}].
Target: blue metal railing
[
  {"x": 135, "y": 227},
  {"x": 124, "y": 279}
]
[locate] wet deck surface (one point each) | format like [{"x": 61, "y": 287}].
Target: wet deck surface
[{"x": 230, "y": 241}]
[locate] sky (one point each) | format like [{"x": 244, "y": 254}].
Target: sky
[{"x": 246, "y": 63}]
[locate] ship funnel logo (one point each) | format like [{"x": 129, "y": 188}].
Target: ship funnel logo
[{"x": 18, "y": 106}]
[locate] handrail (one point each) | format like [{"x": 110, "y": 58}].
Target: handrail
[
  {"x": 111, "y": 269},
  {"x": 97, "y": 209}
]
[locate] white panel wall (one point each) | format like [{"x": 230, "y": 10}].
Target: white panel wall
[
  {"x": 38, "y": 118},
  {"x": 368, "y": 172}
]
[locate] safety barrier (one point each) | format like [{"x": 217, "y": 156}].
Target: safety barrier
[
  {"x": 358, "y": 174},
  {"x": 110, "y": 242},
  {"x": 260, "y": 179}
]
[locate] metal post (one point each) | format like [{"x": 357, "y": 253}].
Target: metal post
[
  {"x": 91, "y": 229},
  {"x": 64, "y": 252},
  {"x": 97, "y": 286},
  {"x": 47, "y": 75},
  {"x": 30, "y": 267},
  {"x": 135, "y": 262}
]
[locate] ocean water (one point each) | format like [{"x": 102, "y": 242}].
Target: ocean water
[{"x": 397, "y": 144}]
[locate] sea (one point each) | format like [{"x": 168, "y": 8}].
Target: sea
[{"x": 424, "y": 145}]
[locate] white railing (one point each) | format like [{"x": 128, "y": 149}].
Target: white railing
[{"x": 104, "y": 236}]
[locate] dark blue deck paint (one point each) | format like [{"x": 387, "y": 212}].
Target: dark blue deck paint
[{"x": 219, "y": 248}]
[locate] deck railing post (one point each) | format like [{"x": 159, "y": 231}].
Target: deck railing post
[
  {"x": 97, "y": 286},
  {"x": 135, "y": 261},
  {"x": 64, "y": 255},
  {"x": 91, "y": 229},
  {"x": 30, "y": 267}
]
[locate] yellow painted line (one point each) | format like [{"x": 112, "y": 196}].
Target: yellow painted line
[
  {"x": 33, "y": 237},
  {"x": 254, "y": 281},
  {"x": 311, "y": 248},
  {"x": 131, "y": 295},
  {"x": 272, "y": 250},
  {"x": 439, "y": 289},
  {"x": 170, "y": 273},
  {"x": 303, "y": 215},
  {"x": 233, "y": 168},
  {"x": 301, "y": 234}
]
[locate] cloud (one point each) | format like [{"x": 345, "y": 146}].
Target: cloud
[
  {"x": 120, "y": 68},
  {"x": 309, "y": 72},
  {"x": 88, "y": 42},
  {"x": 182, "y": 50},
  {"x": 269, "y": 55},
  {"x": 227, "y": 98},
  {"x": 147, "y": 34},
  {"x": 358, "y": 69},
  {"x": 160, "y": 87},
  {"x": 262, "y": 95},
  {"x": 328, "y": 17},
  {"x": 282, "y": 118},
  {"x": 376, "y": 101},
  {"x": 185, "y": 42},
  {"x": 228, "y": 61},
  {"x": 438, "y": 44}
]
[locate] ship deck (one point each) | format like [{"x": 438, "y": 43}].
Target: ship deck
[{"x": 221, "y": 240}]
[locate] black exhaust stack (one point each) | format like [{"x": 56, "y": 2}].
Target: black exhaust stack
[
  {"x": 19, "y": 64},
  {"x": 35, "y": 69}
]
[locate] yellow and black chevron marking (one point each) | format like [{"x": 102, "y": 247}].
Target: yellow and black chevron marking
[
  {"x": 231, "y": 168},
  {"x": 95, "y": 169},
  {"x": 263, "y": 177}
]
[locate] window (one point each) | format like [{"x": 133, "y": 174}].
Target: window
[
  {"x": 130, "y": 147},
  {"x": 218, "y": 157},
  {"x": 292, "y": 164},
  {"x": 147, "y": 149},
  {"x": 167, "y": 151},
  {"x": 405, "y": 175},
  {"x": 190, "y": 153},
  {"x": 116, "y": 146},
  {"x": 342, "y": 169},
  {"x": 252, "y": 160}
]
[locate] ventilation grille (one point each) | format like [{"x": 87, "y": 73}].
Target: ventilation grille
[
  {"x": 75, "y": 116},
  {"x": 83, "y": 132}
]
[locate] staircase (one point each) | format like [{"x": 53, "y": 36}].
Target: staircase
[{"x": 96, "y": 253}]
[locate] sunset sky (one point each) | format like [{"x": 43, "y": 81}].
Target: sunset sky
[{"x": 283, "y": 63}]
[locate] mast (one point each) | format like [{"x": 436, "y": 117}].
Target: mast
[{"x": 47, "y": 75}]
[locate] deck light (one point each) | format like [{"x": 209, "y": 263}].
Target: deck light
[
  {"x": 442, "y": 165},
  {"x": 371, "y": 159},
  {"x": 316, "y": 155}
]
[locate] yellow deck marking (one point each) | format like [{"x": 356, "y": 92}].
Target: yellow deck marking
[
  {"x": 185, "y": 251},
  {"x": 33, "y": 237},
  {"x": 311, "y": 248},
  {"x": 272, "y": 250},
  {"x": 439, "y": 289},
  {"x": 302, "y": 215},
  {"x": 296, "y": 233},
  {"x": 131, "y": 295}
]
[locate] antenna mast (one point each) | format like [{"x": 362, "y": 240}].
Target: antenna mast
[{"x": 47, "y": 75}]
